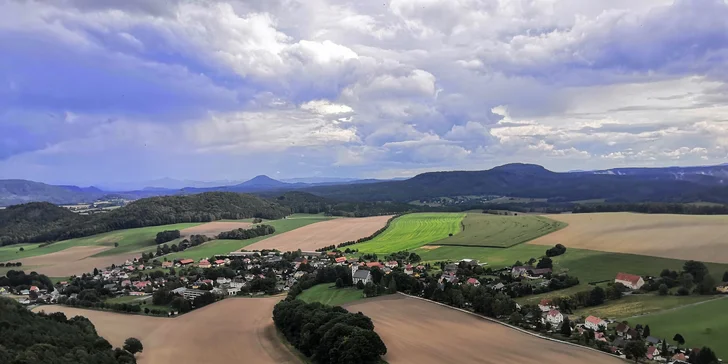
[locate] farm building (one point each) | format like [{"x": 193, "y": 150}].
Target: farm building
[
  {"x": 186, "y": 261},
  {"x": 594, "y": 323},
  {"x": 360, "y": 275},
  {"x": 630, "y": 281},
  {"x": 204, "y": 264}
]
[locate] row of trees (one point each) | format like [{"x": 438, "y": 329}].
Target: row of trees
[
  {"x": 244, "y": 234},
  {"x": 328, "y": 335},
  {"x": 167, "y": 235},
  {"x": 557, "y": 250},
  {"x": 11, "y": 264},
  {"x": 19, "y": 280},
  {"x": 654, "y": 208}
]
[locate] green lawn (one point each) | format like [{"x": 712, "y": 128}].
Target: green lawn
[
  {"x": 129, "y": 299},
  {"x": 500, "y": 231},
  {"x": 639, "y": 304},
  {"x": 222, "y": 246},
  {"x": 413, "y": 230},
  {"x": 328, "y": 294},
  {"x": 704, "y": 324}
]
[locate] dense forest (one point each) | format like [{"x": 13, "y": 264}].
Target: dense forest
[
  {"x": 244, "y": 234},
  {"x": 30, "y": 338},
  {"x": 42, "y": 222},
  {"x": 655, "y": 208},
  {"x": 329, "y": 334},
  {"x": 306, "y": 203}
]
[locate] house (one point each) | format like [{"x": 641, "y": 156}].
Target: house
[
  {"x": 539, "y": 272},
  {"x": 546, "y": 305},
  {"x": 126, "y": 283},
  {"x": 599, "y": 336},
  {"x": 222, "y": 280},
  {"x": 630, "y": 281},
  {"x": 653, "y": 340},
  {"x": 722, "y": 288},
  {"x": 679, "y": 357},
  {"x": 141, "y": 284},
  {"x": 499, "y": 286},
  {"x": 373, "y": 265},
  {"x": 632, "y": 334},
  {"x": 34, "y": 289},
  {"x": 555, "y": 318},
  {"x": 518, "y": 271},
  {"x": 470, "y": 262},
  {"x": 340, "y": 260},
  {"x": 653, "y": 353},
  {"x": 392, "y": 264},
  {"x": 140, "y": 267},
  {"x": 167, "y": 264},
  {"x": 408, "y": 270},
  {"x": 191, "y": 294},
  {"x": 299, "y": 274},
  {"x": 237, "y": 283},
  {"x": 621, "y": 329},
  {"x": 360, "y": 275},
  {"x": 594, "y": 323},
  {"x": 474, "y": 282},
  {"x": 204, "y": 264},
  {"x": 232, "y": 291},
  {"x": 186, "y": 261}
]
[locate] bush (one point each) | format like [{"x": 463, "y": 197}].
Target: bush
[
  {"x": 167, "y": 235},
  {"x": 682, "y": 291}
]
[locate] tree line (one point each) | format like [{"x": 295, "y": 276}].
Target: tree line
[
  {"x": 27, "y": 337},
  {"x": 167, "y": 235},
  {"x": 244, "y": 234},
  {"x": 328, "y": 335},
  {"x": 654, "y": 208}
]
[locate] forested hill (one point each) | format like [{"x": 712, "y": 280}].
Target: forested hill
[
  {"x": 307, "y": 203},
  {"x": 17, "y": 191},
  {"x": 27, "y": 337},
  {"x": 525, "y": 180},
  {"x": 41, "y": 222}
]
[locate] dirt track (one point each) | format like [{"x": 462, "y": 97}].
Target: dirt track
[
  {"x": 417, "y": 331},
  {"x": 236, "y": 330},
  {"x": 74, "y": 260},
  {"x": 320, "y": 234},
  {"x": 703, "y": 238},
  {"x": 214, "y": 228}
]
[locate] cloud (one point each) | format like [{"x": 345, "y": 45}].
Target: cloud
[{"x": 332, "y": 87}]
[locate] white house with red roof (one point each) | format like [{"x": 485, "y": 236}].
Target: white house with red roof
[
  {"x": 554, "y": 317},
  {"x": 408, "y": 270},
  {"x": 594, "y": 323},
  {"x": 204, "y": 264},
  {"x": 630, "y": 281},
  {"x": 546, "y": 305},
  {"x": 392, "y": 264},
  {"x": 219, "y": 262},
  {"x": 167, "y": 264},
  {"x": 653, "y": 353},
  {"x": 474, "y": 282},
  {"x": 340, "y": 260}
]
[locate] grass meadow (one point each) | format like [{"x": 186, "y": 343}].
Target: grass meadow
[
  {"x": 412, "y": 231},
  {"x": 328, "y": 294},
  {"x": 703, "y": 324},
  {"x": 488, "y": 230}
]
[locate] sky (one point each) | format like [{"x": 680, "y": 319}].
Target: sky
[{"x": 100, "y": 91}]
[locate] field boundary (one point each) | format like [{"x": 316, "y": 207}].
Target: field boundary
[
  {"x": 510, "y": 326},
  {"x": 471, "y": 246}
]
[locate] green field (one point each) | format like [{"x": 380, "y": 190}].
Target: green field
[
  {"x": 129, "y": 299},
  {"x": 222, "y": 246},
  {"x": 412, "y": 231},
  {"x": 703, "y": 324},
  {"x": 639, "y": 304},
  {"x": 587, "y": 265},
  {"x": 129, "y": 240},
  {"x": 328, "y": 294},
  {"x": 488, "y": 230}
]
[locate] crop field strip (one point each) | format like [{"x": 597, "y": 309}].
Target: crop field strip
[
  {"x": 412, "y": 231},
  {"x": 497, "y": 231}
]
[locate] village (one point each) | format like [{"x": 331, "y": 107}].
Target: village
[{"x": 178, "y": 286}]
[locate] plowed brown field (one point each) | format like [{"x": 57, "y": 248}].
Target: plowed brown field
[
  {"x": 74, "y": 260},
  {"x": 214, "y": 228},
  {"x": 417, "y": 331},
  {"x": 321, "y": 234},
  {"x": 236, "y": 330},
  {"x": 703, "y": 238}
]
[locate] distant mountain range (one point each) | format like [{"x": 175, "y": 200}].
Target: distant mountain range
[{"x": 670, "y": 184}]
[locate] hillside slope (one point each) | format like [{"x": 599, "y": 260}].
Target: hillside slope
[{"x": 17, "y": 191}]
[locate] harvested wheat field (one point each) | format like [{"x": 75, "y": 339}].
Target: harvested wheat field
[
  {"x": 417, "y": 331},
  {"x": 235, "y": 330},
  {"x": 320, "y": 234},
  {"x": 74, "y": 260},
  {"x": 214, "y": 228},
  {"x": 703, "y": 237}
]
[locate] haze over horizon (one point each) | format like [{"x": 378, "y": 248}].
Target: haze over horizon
[{"x": 95, "y": 92}]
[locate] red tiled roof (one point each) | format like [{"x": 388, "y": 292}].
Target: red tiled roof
[
  {"x": 593, "y": 319},
  {"x": 373, "y": 264},
  {"x": 554, "y": 313},
  {"x": 545, "y": 302},
  {"x": 627, "y": 278},
  {"x": 186, "y": 261},
  {"x": 340, "y": 259},
  {"x": 219, "y": 261},
  {"x": 473, "y": 281},
  {"x": 651, "y": 350}
]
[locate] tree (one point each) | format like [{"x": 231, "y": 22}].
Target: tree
[
  {"x": 682, "y": 291},
  {"x": 392, "y": 288},
  {"x": 725, "y": 276},
  {"x": 339, "y": 283},
  {"x": 697, "y": 269},
  {"x": 96, "y": 272},
  {"x": 646, "y": 331},
  {"x": 566, "y": 327},
  {"x": 663, "y": 290},
  {"x": 116, "y": 245},
  {"x": 596, "y": 296},
  {"x": 515, "y": 319},
  {"x": 636, "y": 349},
  {"x": 545, "y": 262},
  {"x": 679, "y": 339},
  {"x": 707, "y": 286},
  {"x": 359, "y": 285},
  {"x": 706, "y": 356},
  {"x": 664, "y": 347},
  {"x": 133, "y": 345},
  {"x": 687, "y": 280}
]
